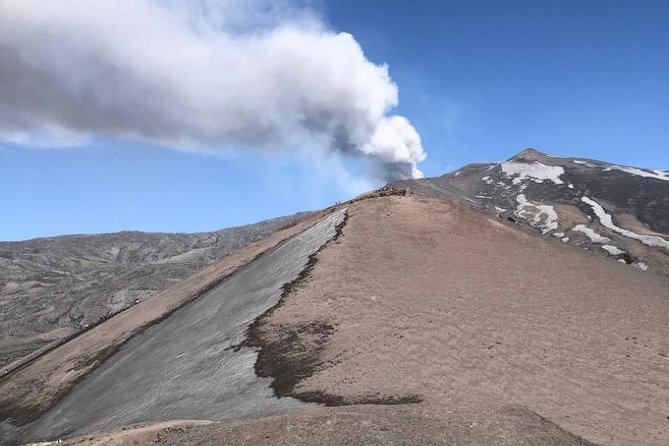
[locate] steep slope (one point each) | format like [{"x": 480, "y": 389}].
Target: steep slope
[
  {"x": 621, "y": 212},
  {"x": 53, "y": 287},
  {"x": 434, "y": 304},
  {"x": 28, "y": 392},
  {"x": 196, "y": 369}
]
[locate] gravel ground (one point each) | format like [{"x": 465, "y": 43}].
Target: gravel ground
[
  {"x": 368, "y": 425},
  {"x": 431, "y": 300},
  {"x": 187, "y": 366},
  {"x": 30, "y": 391}
]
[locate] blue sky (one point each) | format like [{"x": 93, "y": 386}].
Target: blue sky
[
  {"x": 480, "y": 80},
  {"x": 483, "y": 79}
]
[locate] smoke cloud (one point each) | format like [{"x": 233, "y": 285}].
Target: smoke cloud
[{"x": 197, "y": 75}]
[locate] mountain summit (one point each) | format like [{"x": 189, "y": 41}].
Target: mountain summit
[{"x": 619, "y": 211}]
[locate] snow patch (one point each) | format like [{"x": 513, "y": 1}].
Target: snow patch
[
  {"x": 533, "y": 213},
  {"x": 536, "y": 171},
  {"x": 591, "y": 234},
  {"x": 607, "y": 221},
  {"x": 642, "y": 266},
  {"x": 584, "y": 163},
  {"x": 649, "y": 173},
  {"x": 565, "y": 239},
  {"x": 656, "y": 174},
  {"x": 613, "y": 250}
]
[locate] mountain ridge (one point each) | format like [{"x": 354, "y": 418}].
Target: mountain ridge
[
  {"x": 52, "y": 287},
  {"x": 621, "y": 211}
]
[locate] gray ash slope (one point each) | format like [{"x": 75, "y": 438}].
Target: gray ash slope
[
  {"x": 618, "y": 211},
  {"x": 53, "y": 287}
]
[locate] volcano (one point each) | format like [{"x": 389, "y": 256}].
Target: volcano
[{"x": 519, "y": 302}]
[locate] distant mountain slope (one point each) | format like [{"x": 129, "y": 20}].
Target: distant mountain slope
[
  {"x": 620, "y": 211},
  {"x": 52, "y": 287}
]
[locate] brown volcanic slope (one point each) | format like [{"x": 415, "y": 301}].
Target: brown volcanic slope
[
  {"x": 430, "y": 299},
  {"x": 356, "y": 425},
  {"x": 458, "y": 327}
]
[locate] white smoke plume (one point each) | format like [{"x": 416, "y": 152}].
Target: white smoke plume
[{"x": 197, "y": 75}]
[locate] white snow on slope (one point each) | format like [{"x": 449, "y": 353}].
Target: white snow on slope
[
  {"x": 584, "y": 163},
  {"x": 607, "y": 221},
  {"x": 536, "y": 171},
  {"x": 613, "y": 250},
  {"x": 642, "y": 266},
  {"x": 533, "y": 214},
  {"x": 657, "y": 174},
  {"x": 591, "y": 234}
]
